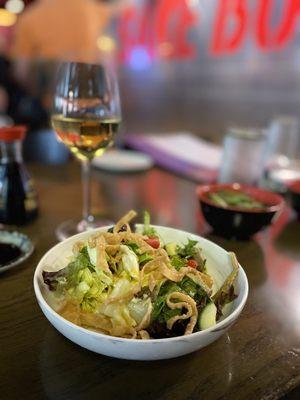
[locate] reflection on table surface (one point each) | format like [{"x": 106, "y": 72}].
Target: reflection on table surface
[{"x": 259, "y": 357}]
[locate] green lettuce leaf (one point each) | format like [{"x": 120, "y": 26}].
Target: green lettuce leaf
[
  {"x": 189, "y": 250},
  {"x": 119, "y": 314},
  {"x": 144, "y": 258},
  {"x": 138, "y": 308},
  {"x": 81, "y": 281},
  {"x": 133, "y": 246},
  {"x": 122, "y": 287},
  {"x": 130, "y": 262},
  {"x": 148, "y": 230},
  {"x": 178, "y": 262}
]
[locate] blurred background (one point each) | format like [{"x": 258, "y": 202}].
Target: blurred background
[{"x": 183, "y": 65}]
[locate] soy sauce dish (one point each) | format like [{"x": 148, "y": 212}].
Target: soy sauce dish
[
  {"x": 237, "y": 211},
  {"x": 218, "y": 265},
  {"x": 15, "y": 248}
]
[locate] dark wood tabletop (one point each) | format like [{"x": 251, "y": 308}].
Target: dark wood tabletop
[{"x": 258, "y": 358}]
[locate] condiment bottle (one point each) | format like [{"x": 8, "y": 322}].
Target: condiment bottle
[{"x": 18, "y": 198}]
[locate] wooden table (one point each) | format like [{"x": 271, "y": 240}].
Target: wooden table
[{"x": 259, "y": 358}]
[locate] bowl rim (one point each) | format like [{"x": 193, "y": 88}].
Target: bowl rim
[
  {"x": 202, "y": 190},
  {"x": 219, "y": 325}
]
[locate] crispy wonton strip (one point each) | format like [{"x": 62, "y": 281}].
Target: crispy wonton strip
[
  {"x": 139, "y": 240},
  {"x": 151, "y": 282},
  {"x": 98, "y": 241},
  {"x": 121, "y": 237},
  {"x": 230, "y": 279},
  {"x": 159, "y": 265},
  {"x": 204, "y": 280},
  {"x": 146, "y": 319},
  {"x": 143, "y": 335},
  {"x": 93, "y": 239},
  {"x": 123, "y": 331},
  {"x": 77, "y": 247},
  {"x": 152, "y": 265},
  {"x": 134, "y": 335},
  {"x": 71, "y": 312},
  {"x": 128, "y": 296},
  {"x": 101, "y": 255},
  {"x": 124, "y": 220},
  {"x": 102, "y": 323},
  {"x": 96, "y": 321},
  {"x": 184, "y": 301},
  {"x": 112, "y": 249}
]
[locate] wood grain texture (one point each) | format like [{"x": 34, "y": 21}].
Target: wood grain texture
[{"x": 259, "y": 358}]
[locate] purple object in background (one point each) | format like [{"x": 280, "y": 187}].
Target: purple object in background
[{"x": 181, "y": 153}]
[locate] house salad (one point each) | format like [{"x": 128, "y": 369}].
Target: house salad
[{"x": 133, "y": 285}]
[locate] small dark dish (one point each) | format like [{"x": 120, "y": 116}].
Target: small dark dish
[
  {"x": 237, "y": 222},
  {"x": 15, "y": 248},
  {"x": 294, "y": 194}
]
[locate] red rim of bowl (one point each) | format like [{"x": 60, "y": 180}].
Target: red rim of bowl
[
  {"x": 273, "y": 201},
  {"x": 294, "y": 186},
  {"x": 12, "y": 133}
]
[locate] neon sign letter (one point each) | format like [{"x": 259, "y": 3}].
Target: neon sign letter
[
  {"x": 288, "y": 27},
  {"x": 226, "y": 40},
  {"x": 168, "y": 11}
]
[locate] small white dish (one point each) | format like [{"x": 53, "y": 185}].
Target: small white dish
[
  {"x": 218, "y": 265},
  {"x": 123, "y": 161},
  {"x": 22, "y": 242}
]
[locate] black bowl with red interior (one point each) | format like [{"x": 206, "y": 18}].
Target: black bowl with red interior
[
  {"x": 294, "y": 194},
  {"x": 243, "y": 219}
]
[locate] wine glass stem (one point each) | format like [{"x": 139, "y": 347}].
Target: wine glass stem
[{"x": 86, "y": 185}]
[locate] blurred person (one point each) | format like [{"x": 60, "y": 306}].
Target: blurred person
[
  {"x": 50, "y": 31},
  {"x": 15, "y": 102},
  {"x": 63, "y": 29}
]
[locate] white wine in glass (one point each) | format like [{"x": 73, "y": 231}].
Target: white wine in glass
[
  {"x": 86, "y": 118},
  {"x": 85, "y": 138}
]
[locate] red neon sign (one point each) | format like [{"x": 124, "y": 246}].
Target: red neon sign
[{"x": 163, "y": 29}]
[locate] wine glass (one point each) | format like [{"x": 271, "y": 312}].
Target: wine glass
[{"x": 86, "y": 117}]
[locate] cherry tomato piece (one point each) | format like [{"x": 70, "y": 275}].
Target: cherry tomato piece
[
  {"x": 153, "y": 242},
  {"x": 192, "y": 263}
]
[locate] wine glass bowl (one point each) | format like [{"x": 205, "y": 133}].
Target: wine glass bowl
[
  {"x": 87, "y": 109},
  {"x": 86, "y": 117}
]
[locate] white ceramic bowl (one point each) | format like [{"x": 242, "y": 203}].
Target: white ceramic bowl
[{"x": 218, "y": 265}]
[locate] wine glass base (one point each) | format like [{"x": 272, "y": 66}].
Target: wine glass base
[{"x": 71, "y": 227}]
